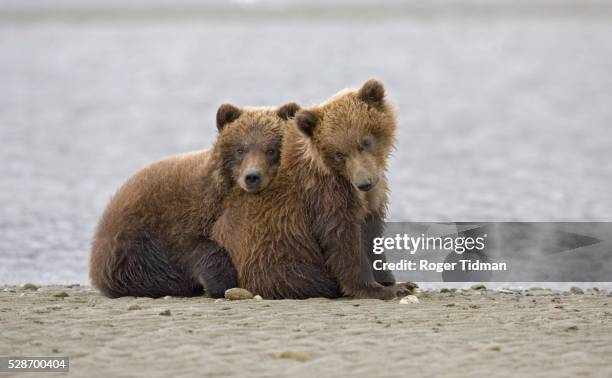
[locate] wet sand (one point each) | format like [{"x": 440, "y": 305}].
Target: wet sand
[{"x": 462, "y": 333}]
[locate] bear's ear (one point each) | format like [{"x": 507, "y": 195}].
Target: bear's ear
[
  {"x": 288, "y": 110},
  {"x": 372, "y": 92},
  {"x": 307, "y": 122},
  {"x": 226, "y": 114}
]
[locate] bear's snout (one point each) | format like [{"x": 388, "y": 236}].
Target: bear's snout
[
  {"x": 252, "y": 179},
  {"x": 362, "y": 171},
  {"x": 364, "y": 184}
]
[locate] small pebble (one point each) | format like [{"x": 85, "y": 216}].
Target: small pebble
[
  {"x": 61, "y": 294},
  {"x": 538, "y": 292},
  {"x": 30, "y": 286},
  {"x": 134, "y": 307},
  {"x": 409, "y": 299},
  {"x": 168, "y": 297},
  {"x": 293, "y": 355},
  {"x": 236, "y": 294},
  {"x": 478, "y": 287},
  {"x": 258, "y": 298},
  {"x": 576, "y": 290},
  {"x": 165, "y": 313}
]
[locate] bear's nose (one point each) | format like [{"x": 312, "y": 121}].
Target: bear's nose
[
  {"x": 365, "y": 185},
  {"x": 252, "y": 179}
]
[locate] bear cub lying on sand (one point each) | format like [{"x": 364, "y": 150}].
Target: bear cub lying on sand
[
  {"x": 153, "y": 238},
  {"x": 302, "y": 236}
]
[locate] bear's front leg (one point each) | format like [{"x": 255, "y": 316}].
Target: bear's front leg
[
  {"x": 373, "y": 228},
  {"x": 345, "y": 257},
  {"x": 214, "y": 269}
]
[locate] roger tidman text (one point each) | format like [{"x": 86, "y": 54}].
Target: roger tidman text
[
  {"x": 425, "y": 265},
  {"x": 412, "y": 244}
]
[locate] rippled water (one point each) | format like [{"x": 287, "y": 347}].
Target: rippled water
[{"x": 502, "y": 117}]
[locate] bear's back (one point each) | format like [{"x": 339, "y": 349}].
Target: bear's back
[{"x": 163, "y": 198}]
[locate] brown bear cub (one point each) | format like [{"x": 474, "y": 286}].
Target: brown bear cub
[
  {"x": 307, "y": 234},
  {"x": 154, "y": 236}
]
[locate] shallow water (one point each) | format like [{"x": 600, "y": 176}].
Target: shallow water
[{"x": 501, "y": 118}]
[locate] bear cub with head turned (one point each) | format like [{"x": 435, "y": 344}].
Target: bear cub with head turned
[
  {"x": 153, "y": 239},
  {"x": 309, "y": 233}
]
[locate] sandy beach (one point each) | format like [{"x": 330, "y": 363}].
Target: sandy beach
[{"x": 535, "y": 332}]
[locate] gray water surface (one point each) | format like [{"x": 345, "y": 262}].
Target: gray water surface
[{"x": 502, "y": 117}]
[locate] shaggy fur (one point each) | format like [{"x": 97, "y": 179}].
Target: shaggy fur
[
  {"x": 306, "y": 235},
  {"x": 153, "y": 238}
]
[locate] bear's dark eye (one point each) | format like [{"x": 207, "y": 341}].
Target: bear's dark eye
[
  {"x": 339, "y": 156},
  {"x": 364, "y": 145},
  {"x": 240, "y": 151},
  {"x": 271, "y": 152}
]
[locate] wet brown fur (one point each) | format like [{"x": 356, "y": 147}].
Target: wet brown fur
[
  {"x": 153, "y": 238},
  {"x": 302, "y": 236}
]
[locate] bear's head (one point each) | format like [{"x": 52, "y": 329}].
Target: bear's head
[
  {"x": 352, "y": 134},
  {"x": 250, "y": 142}
]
